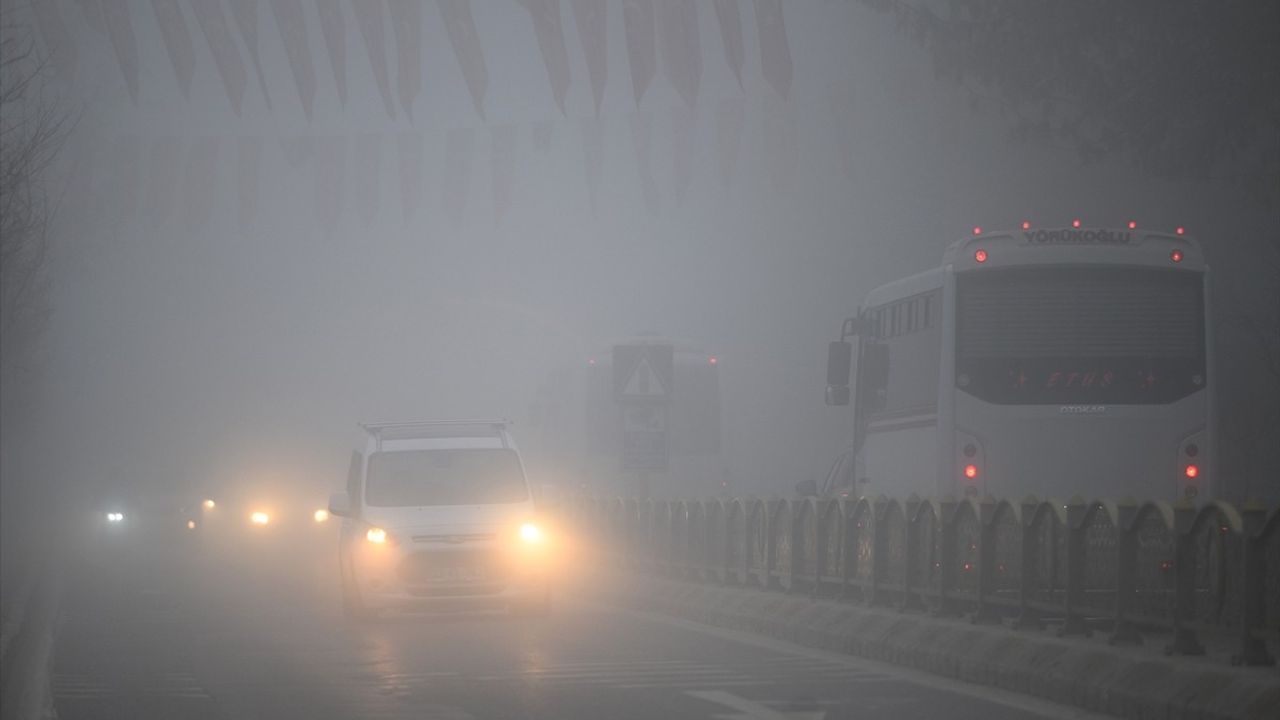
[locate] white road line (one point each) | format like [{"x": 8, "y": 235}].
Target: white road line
[{"x": 982, "y": 692}]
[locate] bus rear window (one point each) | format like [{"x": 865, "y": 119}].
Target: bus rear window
[{"x": 1080, "y": 335}]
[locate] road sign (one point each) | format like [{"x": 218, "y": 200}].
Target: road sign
[
  {"x": 644, "y": 437},
  {"x": 643, "y": 372}
]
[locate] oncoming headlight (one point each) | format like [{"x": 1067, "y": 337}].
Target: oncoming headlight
[
  {"x": 259, "y": 518},
  {"x": 530, "y": 533},
  {"x": 115, "y": 517}
]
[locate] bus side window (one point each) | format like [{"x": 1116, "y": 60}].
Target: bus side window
[{"x": 353, "y": 480}]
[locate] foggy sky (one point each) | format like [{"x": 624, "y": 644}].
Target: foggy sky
[{"x": 225, "y": 357}]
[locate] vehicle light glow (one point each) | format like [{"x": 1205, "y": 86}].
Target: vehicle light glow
[
  {"x": 1133, "y": 224},
  {"x": 1180, "y": 231},
  {"x": 1192, "y": 471},
  {"x": 320, "y": 515},
  {"x": 209, "y": 504},
  {"x": 1075, "y": 223},
  {"x": 977, "y": 230},
  {"x": 259, "y": 518},
  {"x": 980, "y": 256},
  {"x": 115, "y": 517},
  {"x": 376, "y": 535},
  {"x": 530, "y": 533},
  {"x": 1176, "y": 256},
  {"x": 971, "y": 471},
  {"x": 1026, "y": 224},
  {"x": 191, "y": 524}
]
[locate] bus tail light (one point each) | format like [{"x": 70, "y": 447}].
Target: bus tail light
[
  {"x": 1176, "y": 256},
  {"x": 1191, "y": 471},
  {"x": 980, "y": 256},
  {"x": 970, "y": 464},
  {"x": 1191, "y": 465}
]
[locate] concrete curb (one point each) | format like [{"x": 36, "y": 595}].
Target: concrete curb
[{"x": 1125, "y": 682}]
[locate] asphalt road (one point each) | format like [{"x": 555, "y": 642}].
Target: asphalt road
[{"x": 169, "y": 631}]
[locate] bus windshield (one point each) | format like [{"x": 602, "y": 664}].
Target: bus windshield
[
  {"x": 419, "y": 478},
  {"x": 1080, "y": 335}
]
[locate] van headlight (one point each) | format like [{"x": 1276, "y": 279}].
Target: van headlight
[
  {"x": 530, "y": 534},
  {"x": 376, "y": 535}
]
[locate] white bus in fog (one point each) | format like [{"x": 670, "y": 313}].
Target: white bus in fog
[{"x": 1053, "y": 362}]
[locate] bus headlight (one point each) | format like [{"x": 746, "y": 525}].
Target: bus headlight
[{"x": 376, "y": 535}]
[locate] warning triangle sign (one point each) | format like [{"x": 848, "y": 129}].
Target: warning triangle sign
[{"x": 644, "y": 382}]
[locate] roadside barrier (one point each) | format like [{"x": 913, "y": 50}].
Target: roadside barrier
[{"x": 1123, "y": 567}]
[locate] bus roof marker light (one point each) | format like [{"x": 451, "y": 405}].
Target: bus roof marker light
[
  {"x": 712, "y": 360},
  {"x": 1026, "y": 224},
  {"x": 1180, "y": 231},
  {"x": 980, "y": 255},
  {"x": 1176, "y": 256},
  {"x": 977, "y": 230},
  {"x": 1133, "y": 224},
  {"x": 1075, "y": 223}
]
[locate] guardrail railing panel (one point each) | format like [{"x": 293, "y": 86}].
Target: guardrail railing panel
[{"x": 1140, "y": 566}]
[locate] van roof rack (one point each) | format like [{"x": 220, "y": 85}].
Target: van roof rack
[{"x": 414, "y": 429}]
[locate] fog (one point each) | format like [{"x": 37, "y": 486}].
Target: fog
[{"x": 206, "y": 350}]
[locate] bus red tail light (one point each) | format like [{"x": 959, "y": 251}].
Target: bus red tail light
[
  {"x": 1191, "y": 471},
  {"x": 980, "y": 256},
  {"x": 1176, "y": 256},
  {"x": 971, "y": 471}
]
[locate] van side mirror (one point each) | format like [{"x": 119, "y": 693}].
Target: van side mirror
[
  {"x": 839, "y": 363},
  {"x": 340, "y": 504},
  {"x": 807, "y": 488}
]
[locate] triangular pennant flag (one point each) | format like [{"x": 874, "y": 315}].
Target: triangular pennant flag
[
  {"x": 213, "y": 24},
  {"x": 248, "y": 158},
  {"x": 641, "y": 135},
  {"x": 334, "y": 30},
  {"x": 502, "y": 148},
  {"x": 409, "y": 162},
  {"x": 366, "y": 176},
  {"x": 729, "y": 121},
  {"x": 57, "y": 40},
  {"x": 369, "y": 20},
  {"x": 775, "y": 54},
  {"x": 461, "y": 29},
  {"x": 177, "y": 41},
  {"x": 245, "y": 13},
  {"x": 292, "y": 24},
  {"x": 684, "y": 126},
  {"x": 200, "y": 182},
  {"x": 681, "y": 47},
  {"x": 592, "y": 18},
  {"x": 550, "y": 34},
  {"x": 120, "y": 30},
  {"x": 164, "y": 177},
  {"x": 406, "y": 24},
  {"x": 456, "y": 182},
  {"x": 731, "y": 34},
  {"x": 592, "y": 157},
  {"x": 637, "y": 20}
]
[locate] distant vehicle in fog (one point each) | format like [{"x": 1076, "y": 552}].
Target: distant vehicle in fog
[
  {"x": 1052, "y": 362},
  {"x": 637, "y": 429},
  {"x": 439, "y": 513}
]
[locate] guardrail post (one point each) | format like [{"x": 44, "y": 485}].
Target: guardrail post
[
  {"x": 1073, "y": 623},
  {"x": 1185, "y": 641},
  {"x": 1253, "y": 649},
  {"x": 987, "y": 612},
  {"x": 910, "y": 553},
  {"x": 950, "y": 550},
  {"x": 1028, "y": 617},
  {"x": 1125, "y": 632},
  {"x": 879, "y": 552}
]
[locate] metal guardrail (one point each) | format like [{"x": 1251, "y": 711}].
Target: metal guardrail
[{"x": 1127, "y": 566}]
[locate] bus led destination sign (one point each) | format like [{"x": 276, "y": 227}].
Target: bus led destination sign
[{"x": 1072, "y": 236}]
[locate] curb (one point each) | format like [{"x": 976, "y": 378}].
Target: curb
[{"x": 1092, "y": 676}]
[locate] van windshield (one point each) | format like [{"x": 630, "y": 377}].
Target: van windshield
[{"x": 469, "y": 476}]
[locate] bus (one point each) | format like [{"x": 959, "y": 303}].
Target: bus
[
  {"x": 1047, "y": 361},
  {"x": 582, "y": 436}
]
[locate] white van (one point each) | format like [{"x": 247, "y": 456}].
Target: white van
[{"x": 439, "y": 513}]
